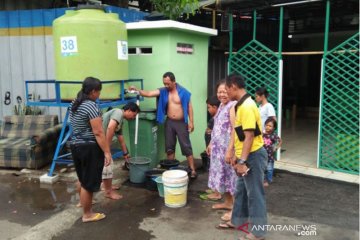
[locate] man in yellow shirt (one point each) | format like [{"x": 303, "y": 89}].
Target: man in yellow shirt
[{"x": 249, "y": 162}]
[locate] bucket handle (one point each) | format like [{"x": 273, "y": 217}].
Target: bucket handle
[{"x": 135, "y": 165}]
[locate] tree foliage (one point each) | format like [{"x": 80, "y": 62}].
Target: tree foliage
[{"x": 173, "y": 9}]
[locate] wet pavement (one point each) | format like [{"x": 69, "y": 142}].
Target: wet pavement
[{"x": 30, "y": 210}]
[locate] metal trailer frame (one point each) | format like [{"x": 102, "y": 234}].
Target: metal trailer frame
[{"x": 66, "y": 129}]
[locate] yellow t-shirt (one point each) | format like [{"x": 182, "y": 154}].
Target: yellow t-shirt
[{"x": 246, "y": 116}]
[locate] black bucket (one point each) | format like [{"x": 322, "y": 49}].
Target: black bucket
[
  {"x": 167, "y": 164},
  {"x": 150, "y": 174},
  {"x": 205, "y": 161}
]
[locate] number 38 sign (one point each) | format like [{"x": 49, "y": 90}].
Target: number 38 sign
[{"x": 68, "y": 45}]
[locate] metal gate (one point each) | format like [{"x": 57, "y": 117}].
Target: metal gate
[
  {"x": 261, "y": 67},
  {"x": 339, "y": 109}
]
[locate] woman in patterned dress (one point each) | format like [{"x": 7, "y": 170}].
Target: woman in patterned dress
[{"x": 222, "y": 177}]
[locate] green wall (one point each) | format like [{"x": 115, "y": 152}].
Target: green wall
[{"x": 190, "y": 71}]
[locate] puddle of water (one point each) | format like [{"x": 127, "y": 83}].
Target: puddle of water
[{"x": 30, "y": 193}]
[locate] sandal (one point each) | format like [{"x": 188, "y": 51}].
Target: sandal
[
  {"x": 209, "y": 191},
  {"x": 225, "y": 226},
  {"x": 96, "y": 217},
  {"x": 205, "y": 196}
]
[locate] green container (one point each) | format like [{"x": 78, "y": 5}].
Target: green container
[
  {"x": 138, "y": 168},
  {"x": 160, "y": 185},
  {"x": 90, "y": 42},
  {"x": 147, "y": 137}
]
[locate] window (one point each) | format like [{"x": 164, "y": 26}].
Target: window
[{"x": 140, "y": 50}]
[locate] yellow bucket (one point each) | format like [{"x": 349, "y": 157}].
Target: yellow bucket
[{"x": 175, "y": 188}]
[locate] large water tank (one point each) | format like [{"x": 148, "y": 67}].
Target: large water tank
[{"x": 90, "y": 42}]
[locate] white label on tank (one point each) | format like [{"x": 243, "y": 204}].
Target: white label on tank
[
  {"x": 122, "y": 47},
  {"x": 68, "y": 45}
]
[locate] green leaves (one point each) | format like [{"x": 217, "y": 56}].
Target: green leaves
[{"x": 174, "y": 9}]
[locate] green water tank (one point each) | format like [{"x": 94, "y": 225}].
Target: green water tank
[{"x": 90, "y": 42}]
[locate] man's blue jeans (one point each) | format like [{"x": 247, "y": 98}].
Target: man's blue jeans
[{"x": 250, "y": 205}]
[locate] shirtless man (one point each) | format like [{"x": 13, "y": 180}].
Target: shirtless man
[{"x": 174, "y": 102}]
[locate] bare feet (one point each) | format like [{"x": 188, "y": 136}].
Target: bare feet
[
  {"x": 266, "y": 184},
  {"x": 113, "y": 187},
  {"x": 113, "y": 195},
  {"x": 227, "y": 216},
  {"x": 220, "y": 206},
  {"x": 79, "y": 204}
]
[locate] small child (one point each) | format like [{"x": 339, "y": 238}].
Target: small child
[
  {"x": 272, "y": 142},
  {"x": 213, "y": 104}
]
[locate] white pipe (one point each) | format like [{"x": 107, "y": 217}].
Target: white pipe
[
  {"x": 137, "y": 115},
  {"x": 280, "y": 102},
  {"x": 136, "y": 124}
]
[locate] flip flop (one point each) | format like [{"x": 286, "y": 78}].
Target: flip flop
[
  {"x": 214, "y": 198},
  {"x": 95, "y": 218},
  {"x": 225, "y": 226},
  {"x": 205, "y": 196},
  {"x": 209, "y": 191}
]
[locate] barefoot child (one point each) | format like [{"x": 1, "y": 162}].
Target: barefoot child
[{"x": 272, "y": 142}]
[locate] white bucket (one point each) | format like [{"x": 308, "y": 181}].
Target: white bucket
[{"x": 175, "y": 188}]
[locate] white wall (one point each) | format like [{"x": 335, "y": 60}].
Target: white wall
[{"x": 26, "y": 58}]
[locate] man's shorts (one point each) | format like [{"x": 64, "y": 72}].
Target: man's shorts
[
  {"x": 108, "y": 171},
  {"x": 177, "y": 129}
]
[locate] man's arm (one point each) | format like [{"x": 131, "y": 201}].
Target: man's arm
[
  {"x": 144, "y": 93},
  {"x": 241, "y": 168},
  {"x": 249, "y": 138},
  {"x": 191, "y": 118},
  {"x": 229, "y": 157},
  {"x": 124, "y": 149},
  {"x": 110, "y": 131}
]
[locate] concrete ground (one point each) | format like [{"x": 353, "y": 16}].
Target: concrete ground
[{"x": 33, "y": 211}]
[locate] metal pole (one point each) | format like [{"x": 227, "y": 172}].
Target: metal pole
[
  {"x": 323, "y": 63},
  {"x": 254, "y": 27},
  {"x": 231, "y": 40},
  {"x": 213, "y": 19},
  {"x": 280, "y": 76},
  {"x": 281, "y": 31},
  {"x": 326, "y": 35}
]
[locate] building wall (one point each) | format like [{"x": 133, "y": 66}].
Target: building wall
[
  {"x": 190, "y": 71},
  {"x": 27, "y": 53}
]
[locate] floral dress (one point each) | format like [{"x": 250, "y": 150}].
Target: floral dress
[
  {"x": 270, "y": 141},
  {"x": 222, "y": 176}
]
